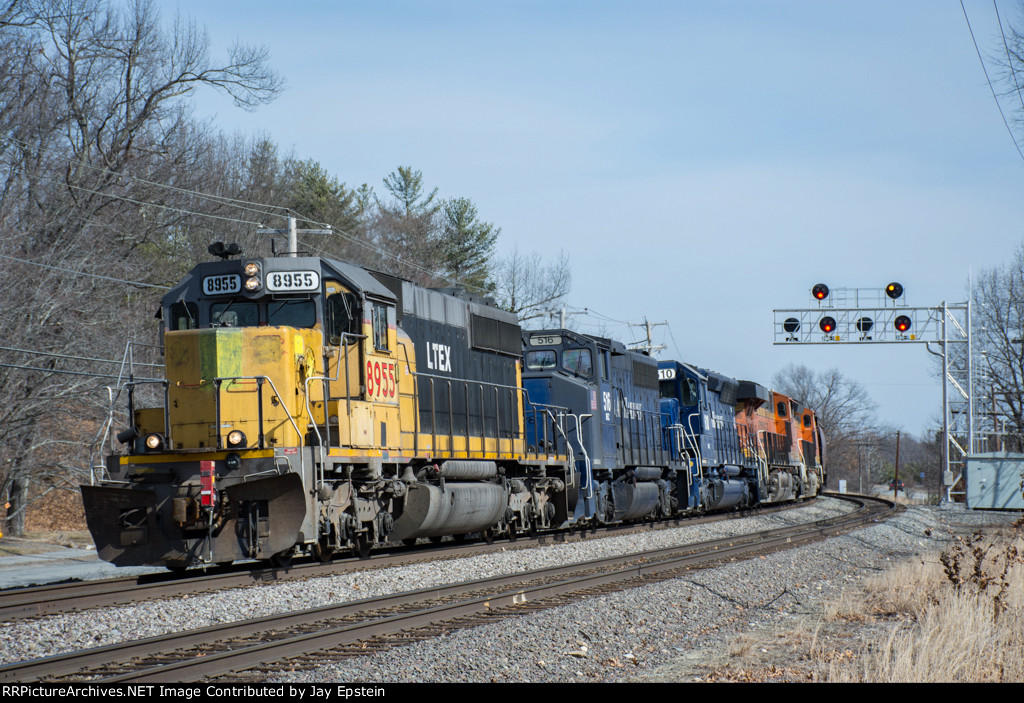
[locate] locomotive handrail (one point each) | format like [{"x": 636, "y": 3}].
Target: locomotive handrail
[
  {"x": 583, "y": 448},
  {"x": 259, "y": 403},
  {"x": 681, "y": 432},
  {"x": 641, "y": 431},
  {"x": 127, "y": 360},
  {"x": 691, "y": 437},
  {"x": 525, "y": 395},
  {"x": 760, "y": 457},
  {"x": 327, "y": 395}
]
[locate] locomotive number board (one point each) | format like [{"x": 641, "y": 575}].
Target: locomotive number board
[
  {"x": 222, "y": 285},
  {"x": 287, "y": 281}
]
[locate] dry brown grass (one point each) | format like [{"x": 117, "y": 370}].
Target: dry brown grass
[{"x": 953, "y": 618}]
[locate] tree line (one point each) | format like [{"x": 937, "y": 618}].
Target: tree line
[{"x": 113, "y": 188}]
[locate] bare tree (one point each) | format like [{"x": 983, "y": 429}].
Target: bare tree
[
  {"x": 530, "y": 287},
  {"x": 844, "y": 412},
  {"x": 93, "y": 108},
  {"x": 998, "y": 340},
  {"x": 1009, "y": 54}
]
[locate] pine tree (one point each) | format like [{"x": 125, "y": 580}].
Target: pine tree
[{"x": 466, "y": 246}]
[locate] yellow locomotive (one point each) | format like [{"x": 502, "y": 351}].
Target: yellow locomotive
[{"x": 311, "y": 405}]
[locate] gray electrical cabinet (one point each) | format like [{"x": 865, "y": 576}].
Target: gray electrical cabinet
[{"x": 994, "y": 481}]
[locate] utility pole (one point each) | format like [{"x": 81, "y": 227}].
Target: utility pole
[
  {"x": 896, "y": 476},
  {"x": 293, "y": 234},
  {"x": 650, "y": 347}
]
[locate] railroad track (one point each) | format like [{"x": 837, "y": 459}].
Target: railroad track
[
  {"x": 251, "y": 649},
  {"x": 37, "y": 601}
]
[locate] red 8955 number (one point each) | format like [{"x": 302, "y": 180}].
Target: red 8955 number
[{"x": 380, "y": 379}]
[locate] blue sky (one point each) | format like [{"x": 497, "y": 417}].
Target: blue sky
[{"x": 701, "y": 162}]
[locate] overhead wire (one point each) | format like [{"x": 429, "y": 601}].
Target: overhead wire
[
  {"x": 76, "y": 373},
  {"x": 83, "y": 273},
  {"x": 77, "y": 358},
  {"x": 990, "y": 86},
  {"x": 220, "y": 199},
  {"x": 1009, "y": 59}
]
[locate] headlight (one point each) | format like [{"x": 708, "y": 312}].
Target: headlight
[
  {"x": 236, "y": 438},
  {"x": 154, "y": 442},
  {"x": 252, "y": 269},
  {"x": 252, "y": 284}
]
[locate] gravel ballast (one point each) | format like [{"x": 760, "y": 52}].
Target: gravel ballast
[{"x": 621, "y": 636}]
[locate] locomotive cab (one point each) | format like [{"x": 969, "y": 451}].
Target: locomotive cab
[
  {"x": 313, "y": 405},
  {"x": 701, "y": 408},
  {"x": 624, "y": 466}
]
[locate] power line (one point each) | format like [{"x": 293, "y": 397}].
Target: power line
[
  {"x": 990, "y": 87},
  {"x": 1009, "y": 60},
  {"x": 134, "y": 201},
  {"x": 220, "y": 199},
  {"x": 77, "y": 358},
  {"x": 77, "y": 373},
  {"x": 83, "y": 273}
]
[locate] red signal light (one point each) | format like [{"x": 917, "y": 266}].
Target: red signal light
[
  {"x": 827, "y": 324},
  {"x": 820, "y": 291},
  {"x": 902, "y": 323}
]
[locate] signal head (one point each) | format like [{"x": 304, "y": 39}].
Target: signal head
[
  {"x": 820, "y": 291},
  {"x": 902, "y": 323},
  {"x": 894, "y": 290},
  {"x": 791, "y": 325},
  {"x": 827, "y": 324},
  {"x": 865, "y": 324}
]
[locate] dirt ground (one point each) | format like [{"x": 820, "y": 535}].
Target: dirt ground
[{"x": 55, "y": 518}]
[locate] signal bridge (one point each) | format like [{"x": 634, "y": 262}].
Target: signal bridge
[{"x": 882, "y": 316}]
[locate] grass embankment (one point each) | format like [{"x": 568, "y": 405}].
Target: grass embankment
[{"x": 954, "y": 618}]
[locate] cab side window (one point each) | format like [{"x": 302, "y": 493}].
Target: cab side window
[
  {"x": 342, "y": 316},
  {"x": 380, "y": 326}
]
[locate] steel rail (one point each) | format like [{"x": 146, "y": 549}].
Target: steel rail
[
  {"x": 38, "y": 601},
  {"x": 525, "y": 588}
]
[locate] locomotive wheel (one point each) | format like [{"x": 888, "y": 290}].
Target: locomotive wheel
[
  {"x": 282, "y": 560},
  {"x": 361, "y": 544},
  {"x": 323, "y": 552}
]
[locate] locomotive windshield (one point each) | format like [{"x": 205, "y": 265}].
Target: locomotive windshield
[
  {"x": 541, "y": 359},
  {"x": 291, "y": 313},
  {"x": 578, "y": 361},
  {"x": 234, "y": 314},
  {"x": 249, "y": 313}
]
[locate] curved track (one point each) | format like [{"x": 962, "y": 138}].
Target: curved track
[
  {"x": 38, "y": 601},
  {"x": 251, "y": 648}
]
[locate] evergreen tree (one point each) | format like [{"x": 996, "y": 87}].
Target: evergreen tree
[
  {"x": 406, "y": 228},
  {"x": 466, "y": 247}
]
